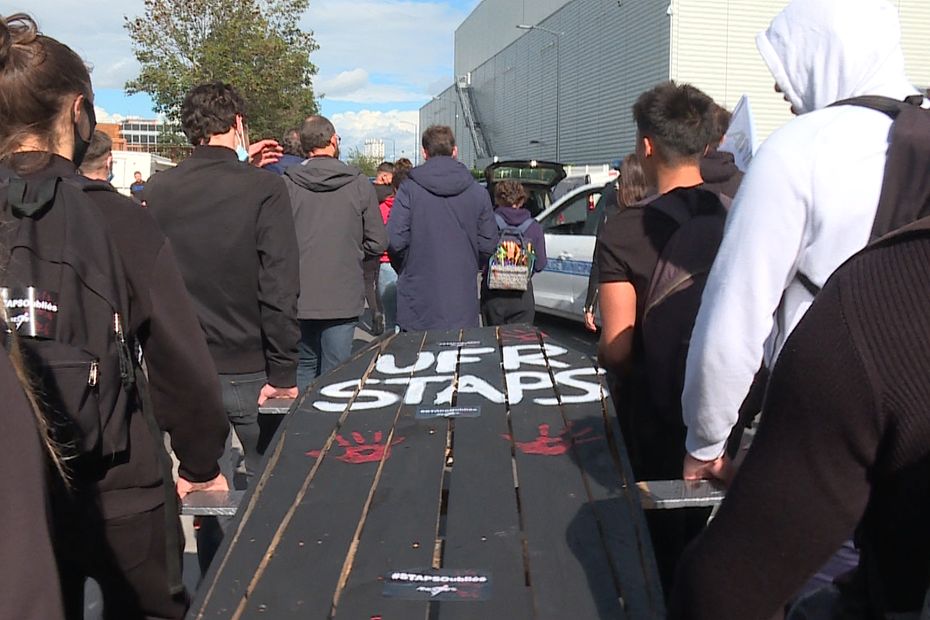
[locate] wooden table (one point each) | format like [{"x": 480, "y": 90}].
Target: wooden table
[{"x": 450, "y": 475}]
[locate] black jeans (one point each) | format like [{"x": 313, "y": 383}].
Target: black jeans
[
  {"x": 240, "y": 399},
  {"x": 126, "y": 556}
]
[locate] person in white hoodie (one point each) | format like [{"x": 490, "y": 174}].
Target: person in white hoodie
[{"x": 806, "y": 204}]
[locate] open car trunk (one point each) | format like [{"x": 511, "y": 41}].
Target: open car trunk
[{"x": 537, "y": 177}]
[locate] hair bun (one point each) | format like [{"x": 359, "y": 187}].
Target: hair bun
[{"x": 16, "y": 29}]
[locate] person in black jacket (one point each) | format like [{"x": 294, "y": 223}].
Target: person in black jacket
[
  {"x": 111, "y": 520},
  {"x": 27, "y": 560},
  {"x": 231, "y": 226}
]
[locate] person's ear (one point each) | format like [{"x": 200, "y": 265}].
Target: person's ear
[
  {"x": 77, "y": 108},
  {"x": 455, "y": 152},
  {"x": 648, "y": 146}
]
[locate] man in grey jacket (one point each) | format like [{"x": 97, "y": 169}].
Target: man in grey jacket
[{"x": 338, "y": 223}]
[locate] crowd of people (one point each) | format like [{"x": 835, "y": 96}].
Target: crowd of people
[{"x": 792, "y": 298}]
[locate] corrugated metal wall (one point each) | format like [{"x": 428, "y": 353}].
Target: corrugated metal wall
[
  {"x": 610, "y": 54},
  {"x": 714, "y": 48},
  {"x": 490, "y": 27},
  {"x": 915, "y": 39}
]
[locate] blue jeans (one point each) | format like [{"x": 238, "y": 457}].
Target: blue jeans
[
  {"x": 387, "y": 290},
  {"x": 324, "y": 344}
]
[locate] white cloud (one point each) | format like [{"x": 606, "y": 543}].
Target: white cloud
[
  {"x": 407, "y": 44},
  {"x": 354, "y": 85},
  {"x": 397, "y": 128},
  {"x": 402, "y": 48},
  {"x": 105, "y": 117}
]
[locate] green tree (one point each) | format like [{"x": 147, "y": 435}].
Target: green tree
[
  {"x": 366, "y": 163},
  {"x": 255, "y": 45}
]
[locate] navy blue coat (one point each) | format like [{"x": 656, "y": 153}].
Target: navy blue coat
[{"x": 441, "y": 232}]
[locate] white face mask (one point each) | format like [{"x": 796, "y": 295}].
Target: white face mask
[{"x": 241, "y": 151}]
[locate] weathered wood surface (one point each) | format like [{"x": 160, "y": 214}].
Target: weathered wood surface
[{"x": 447, "y": 475}]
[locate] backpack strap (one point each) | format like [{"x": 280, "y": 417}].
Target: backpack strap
[
  {"x": 886, "y": 105},
  {"x": 525, "y": 225},
  {"x": 501, "y": 224}
]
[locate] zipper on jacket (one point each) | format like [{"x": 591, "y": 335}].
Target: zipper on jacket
[{"x": 94, "y": 374}]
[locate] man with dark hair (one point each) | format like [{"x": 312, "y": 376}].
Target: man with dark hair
[
  {"x": 441, "y": 230},
  {"x": 674, "y": 125},
  {"x": 137, "y": 187},
  {"x": 718, "y": 168},
  {"x": 233, "y": 233},
  {"x": 292, "y": 152},
  {"x": 383, "y": 177},
  {"x": 98, "y": 161},
  {"x": 338, "y": 224}
]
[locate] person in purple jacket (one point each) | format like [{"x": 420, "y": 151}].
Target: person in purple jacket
[
  {"x": 441, "y": 231},
  {"x": 503, "y": 307}
]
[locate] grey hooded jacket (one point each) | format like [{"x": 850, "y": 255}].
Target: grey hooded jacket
[{"x": 338, "y": 223}]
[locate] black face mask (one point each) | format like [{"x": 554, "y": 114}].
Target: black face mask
[{"x": 80, "y": 142}]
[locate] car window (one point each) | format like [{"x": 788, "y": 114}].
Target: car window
[
  {"x": 596, "y": 216},
  {"x": 572, "y": 217}
]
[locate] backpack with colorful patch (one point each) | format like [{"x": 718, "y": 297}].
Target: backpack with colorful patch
[{"x": 511, "y": 266}]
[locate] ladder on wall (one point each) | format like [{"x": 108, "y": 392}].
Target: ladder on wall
[{"x": 470, "y": 111}]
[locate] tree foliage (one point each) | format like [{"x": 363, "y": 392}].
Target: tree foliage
[
  {"x": 255, "y": 45},
  {"x": 366, "y": 163}
]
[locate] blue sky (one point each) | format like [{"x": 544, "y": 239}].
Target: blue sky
[{"x": 379, "y": 60}]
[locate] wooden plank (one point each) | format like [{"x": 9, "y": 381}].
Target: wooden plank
[
  {"x": 400, "y": 529},
  {"x": 570, "y": 573},
  {"x": 483, "y": 528},
  {"x": 266, "y": 505},
  {"x": 614, "y": 499},
  {"x": 302, "y": 578}
]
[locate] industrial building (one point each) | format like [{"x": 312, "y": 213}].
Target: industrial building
[{"x": 556, "y": 79}]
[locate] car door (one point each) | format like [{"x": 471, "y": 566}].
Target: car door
[{"x": 561, "y": 288}]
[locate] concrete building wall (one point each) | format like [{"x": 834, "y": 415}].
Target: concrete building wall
[{"x": 608, "y": 55}]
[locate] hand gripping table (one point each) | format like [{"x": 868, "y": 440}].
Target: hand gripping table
[{"x": 443, "y": 475}]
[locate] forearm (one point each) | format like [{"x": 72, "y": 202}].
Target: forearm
[
  {"x": 757, "y": 259},
  {"x": 278, "y": 286},
  {"x": 183, "y": 383}
]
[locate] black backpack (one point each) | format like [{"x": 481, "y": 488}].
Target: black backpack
[
  {"x": 67, "y": 297},
  {"x": 674, "y": 294},
  {"x": 905, "y": 194}
]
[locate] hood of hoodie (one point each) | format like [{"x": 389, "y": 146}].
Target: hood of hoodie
[
  {"x": 513, "y": 217},
  {"x": 822, "y": 51},
  {"x": 322, "y": 174},
  {"x": 442, "y": 176}
]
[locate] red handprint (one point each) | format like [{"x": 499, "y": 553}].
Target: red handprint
[
  {"x": 361, "y": 451},
  {"x": 519, "y": 334},
  {"x": 546, "y": 445}
]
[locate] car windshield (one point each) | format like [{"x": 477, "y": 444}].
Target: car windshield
[{"x": 526, "y": 175}]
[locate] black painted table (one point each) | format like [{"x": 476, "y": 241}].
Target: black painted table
[{"x": 446, "y": 475}]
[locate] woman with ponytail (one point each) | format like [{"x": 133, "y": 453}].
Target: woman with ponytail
[{"x": 112, "y": 518}]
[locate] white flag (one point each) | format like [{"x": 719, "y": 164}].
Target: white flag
[{"x": 740, "y": 138}]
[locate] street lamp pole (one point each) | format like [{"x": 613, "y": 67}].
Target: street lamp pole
[
  {"x": 393, "y": 148},
  {"x": 416, "y": 140},
  {"x": 558, "y": 82}
]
